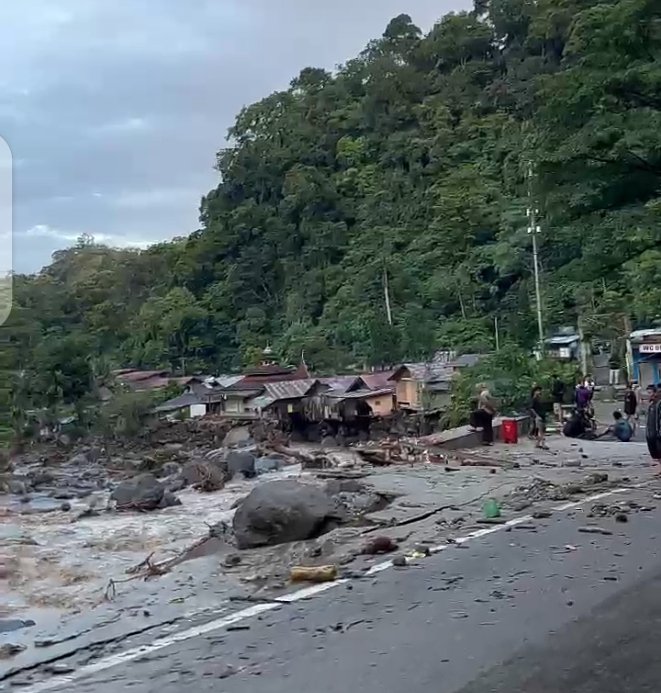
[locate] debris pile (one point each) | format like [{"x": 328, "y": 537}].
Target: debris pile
[
  {"x": 544, "y": 490},
  {"x": 401, "y": 451}
]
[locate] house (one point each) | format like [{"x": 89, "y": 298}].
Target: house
[
  {"x": 644, "y": 355},
  {"x": 378, "y": 380},
  {"x": 146, "y": 381},
  {"x": 202, "y": 395},
  {"x": 185, "y": 406},
  {"x": 284, "y": 400},
  {"x": 272, "y": 373},
  {"x": 465, "y": 361},
  {"x": 362, "y": 403},
  {"x": 423, "y": 386},
  {"x": 565, "y": 345}
]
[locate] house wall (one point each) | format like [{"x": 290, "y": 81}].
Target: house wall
[
  {"x": 234, "y": 405},
  {"x": 406, "y": 393},
  {"x": 381, "y": 405},
  {"x": 437, "y": 400},
  {"x": 197, "y": 410}
]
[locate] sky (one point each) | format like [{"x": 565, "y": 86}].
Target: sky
[{"x": 114, "y": 109}]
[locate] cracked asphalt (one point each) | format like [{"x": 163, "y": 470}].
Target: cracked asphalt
[{"x": 540, "y": 607}]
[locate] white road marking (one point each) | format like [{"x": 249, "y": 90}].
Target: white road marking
[{"x": 252, "y": 611}]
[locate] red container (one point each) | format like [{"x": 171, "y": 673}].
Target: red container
[{"x": 510, "y": 431}]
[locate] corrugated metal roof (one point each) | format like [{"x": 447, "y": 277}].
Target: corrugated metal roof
[
  {"x": 362, "y": 394},
  {"x": 639, "y": 335},
  {"x": 180, "y": 402},
  {"x": 289, "y": 389},
  {"x": 377, "y": 380},
  {"x": 561, "y": 339},
  {"x": 466, "y": 360},
  {"x": 340, "y": 383},
  {"x": 429, "y": 372}
]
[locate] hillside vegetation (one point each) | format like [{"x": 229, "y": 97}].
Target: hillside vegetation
[{"x": 403, "y": 173}]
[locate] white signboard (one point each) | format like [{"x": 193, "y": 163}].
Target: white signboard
[{"x": 650, "y": 348}]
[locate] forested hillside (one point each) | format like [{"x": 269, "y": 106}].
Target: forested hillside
[{"x": 404, "y": 173}]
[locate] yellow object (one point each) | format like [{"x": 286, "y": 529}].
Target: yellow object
[{"x": 322, "y": 573}]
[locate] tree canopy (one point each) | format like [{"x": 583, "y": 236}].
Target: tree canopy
[{"x": 379, "y": 212}]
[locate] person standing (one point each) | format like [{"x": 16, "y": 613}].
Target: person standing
[
  {"x": 558, "y": 393},
  {"x": 486, "y": 408},
  {"x": 539, "y": 414},
  {"x": 583, "y": 397},
  {"x": 630, "y": 406},
  {"x": 614, "y": 365}
]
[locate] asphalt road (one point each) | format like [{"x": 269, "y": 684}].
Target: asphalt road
[{"x": 546, "y": 609}]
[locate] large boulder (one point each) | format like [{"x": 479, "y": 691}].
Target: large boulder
[
  {"x": 278, "y": 512},
  {"x": 142, "y": 492},
  {"x": 239, "y": 436},
  {"x": 240, "y": 462}
]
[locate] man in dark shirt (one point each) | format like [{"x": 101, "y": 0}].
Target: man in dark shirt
[
  {"x": 575, "y": 426},
  {"x": 630, "y": 405},
  {"x": 538, "y": 414}
]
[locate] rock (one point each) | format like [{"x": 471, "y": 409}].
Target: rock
[
  {"x": 621, "y": 517},
  {"x": 62, "y": 495},
  {"x": 204, "y": 476},
  {"x": 379, "y": 545},
  {"x": 170, "y": 469},
  {"x": 264, "y": 465},
  {"x": 194, "y": 472},
  {"x": 174, "y": 483},
  {"x": 17, "y": 487},
  {"x": 232, "y": 560},
  {"x": 541, "y": 514},
  {"x": 79, "y": 460},
  {"x": 239, "y": 436},
  {"x": 329, "y": 442},
  {"x": 10, "y": 649},
  {"x": 65, "y": 507},
  {"x": 278, "y": 512},
  {"x": 596, "y": 478},
  {"x": 7, "y": 625},
  {"x": 335, "y": 486},
  {"x": 400, "y": 561},
  {"x": 169, "y": 500},
  {"x": 594, "y": 530},
  {"x": 42, "y": 478},
  {"x": 240, "y": 462},
  {"x": 142, "y": 492}
]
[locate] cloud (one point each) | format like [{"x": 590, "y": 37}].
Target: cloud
[
  {"x": 43, "y": 231},
  {"x": 132, "y": 124},
  {"x": 115, "y": 111}
]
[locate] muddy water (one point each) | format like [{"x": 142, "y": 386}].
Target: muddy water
[{"x": 58, "y": 563}]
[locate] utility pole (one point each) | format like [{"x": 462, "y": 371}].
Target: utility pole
[
  {"x": 495, "y": 325},
  {"x": 386, "y": 293},
  {"x": 533, "y": 230}
]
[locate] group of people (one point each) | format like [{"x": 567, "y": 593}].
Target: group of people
[{"x": 579, "y": 424}]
